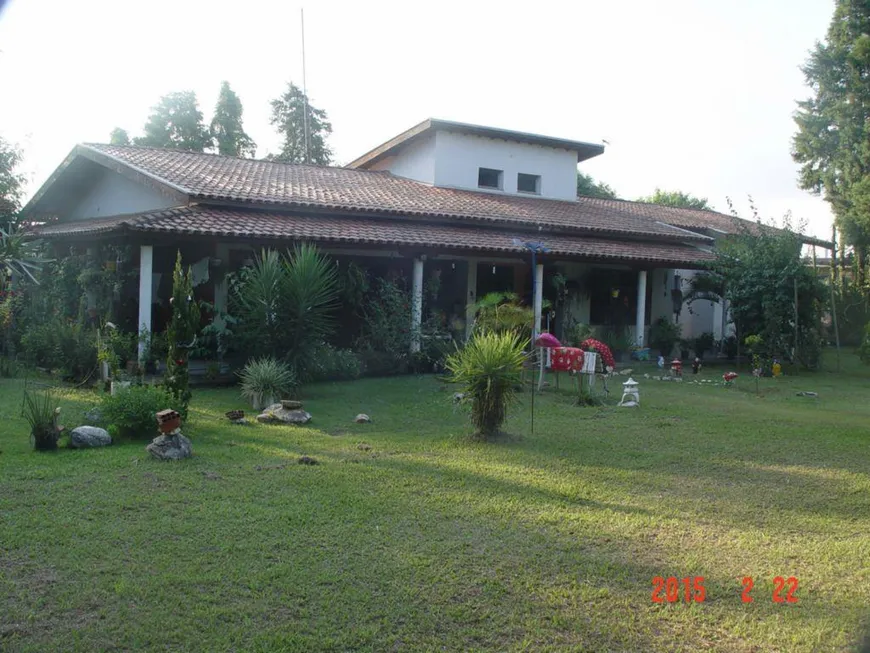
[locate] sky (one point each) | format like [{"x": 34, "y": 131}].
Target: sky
[{"x": 695, "y": 95}]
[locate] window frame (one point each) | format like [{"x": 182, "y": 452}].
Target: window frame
[
  {"x": 500, "y": 178},
  {"x": 537, "y": 179}
]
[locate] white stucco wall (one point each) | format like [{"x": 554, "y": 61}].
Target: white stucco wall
[
  {"x": 701, "y": 319},
  {"x": 112, "y": 194},
  {"x": 459, "y": 156},
  {"x": 416, "y": 161}
]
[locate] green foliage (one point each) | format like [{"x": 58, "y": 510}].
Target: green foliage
[
  {"x": 288, "y": 118},
  {"x": 760, "y": 273},
  {"x": 176, "y": 121},
  {"x": 588, "y": 187},
  {"x": 41, "y": 412},
  {"x": 579, "y": 333},
  {"x": 119, "y": 137},
  {"x": 489, "y": 368},
  {"x": 180, "y": 336},
  {"x": 616, "y": 337},
  {"x": 132, "y": 412},
  {"x": 853, "y": 312},
  {"x": 664, "y": 334},
  {"x": 332, "y": 364},
  {"x": 266, "y": 379},
  {"x": 703, "y": 343},
  {"x": 502, "y": 312},
  {"x": 61, "y": 345},
  {"x": 226, "y": 126},
  {"x": 12, "y": 181},
  {"x": 833, "y": 126},
  {"x": 676, "y": 199},
  {"x": 864, "y": 349},
  {"x": 385, "y": 336},
  {"x": 19, "y": 258},
  {"x": 285, "y": 304}
]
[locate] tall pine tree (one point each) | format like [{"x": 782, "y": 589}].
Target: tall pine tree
[
  {"x": 176, "y": 121},
  {"x": 832, "y": 143},
  {"x": 226, "y": 127},
  {"x": 288, "y": 117}
]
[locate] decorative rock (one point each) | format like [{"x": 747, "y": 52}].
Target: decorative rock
[
  {"x": 458, "y": 396},
  {"x": 234, "y": 415},
  {"x": 629, "y": 404},
  {"x": 807, "y": 394},
  {"x": 277, "y": 414},
  {"x": 83, "y": 437},
  {"x": 170, "y": 447},
  {"x": 362, "y": 418},
  {"x": 626, "y": 372},
  {"x": 242, "y": 421},
  {"x": 290, "y": 404},
  {"x": 307, "y": 460}
]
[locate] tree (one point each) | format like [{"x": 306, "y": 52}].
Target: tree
[
  {"x": 226, "y": 127},
  {"x": 176, "y": 121},
  {"x": 676, "y": 199},
  {"x": 288, "y": 117},
  {"x": 766, "y": 283},
  {"x": 588, "y": 187},
  {"x": 832, "y": 142},
  {"x": 11, "y": 181},
  {"x": 119, "y": 137},
  {"x": 180, "y": 336}
]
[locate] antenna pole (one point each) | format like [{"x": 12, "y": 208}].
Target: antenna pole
[{"x": 304, "y": 91}]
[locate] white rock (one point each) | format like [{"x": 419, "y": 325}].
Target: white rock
[
  {"x": 83, "y": 437},
  {"x": 362, "y": 418}
]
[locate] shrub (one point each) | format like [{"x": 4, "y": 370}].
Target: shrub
[
  {"x": 265, "y": 380},
  {"x": 60, "y": 345},
  {"x": 663, "y": 335},
  {"x": 332, "y": 364},
  {"x": 579, "y": 333},
  {"x": 131, "y": 413},
  {"x": 385, "y": 338},
  {"x": 489, "y": 369},
  {"x": 41, "y": 414},
  {"x": 503, "y": 312}
]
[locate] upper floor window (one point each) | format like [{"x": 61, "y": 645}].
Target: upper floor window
[
  {"x": 489, "y": 178},
  {"x": 528, "y": 183}
]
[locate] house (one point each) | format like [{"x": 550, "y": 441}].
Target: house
[{"x": 443, "y": 198}]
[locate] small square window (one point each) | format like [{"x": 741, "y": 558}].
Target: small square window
[
  {"x": 489, "y": 178},
  {"x": 528, "y": 183}
]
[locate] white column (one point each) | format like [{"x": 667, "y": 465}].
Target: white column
[
  {"x": 416, "y": 304},
  {"x": 146, "y": 269},
  {"x": 470, "y": 297},
  {"x": 539, "y": 298},
  {"x": 641, "y": 308}
]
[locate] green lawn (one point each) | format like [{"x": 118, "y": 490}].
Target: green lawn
[{"x": 410, "y": 536}]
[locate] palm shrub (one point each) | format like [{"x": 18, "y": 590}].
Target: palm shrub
[
  {"x": 503, "y": 312},
  {"x": 489, "y": 368},
  {"x": 41, "y": 414},
  {"x": 265, "y": 380}
]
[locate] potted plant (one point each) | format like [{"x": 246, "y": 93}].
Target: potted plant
[
  {"x": 703, "y": 343},
  {"x": 265, "y": 380},
  {"x": 663, "y": 335}
]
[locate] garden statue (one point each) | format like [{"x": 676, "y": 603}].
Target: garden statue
[
  {"x": 777, "y": 368},
  {"x": 696, "y": 365},
  {"x": 661, "y": 362},
  {"x": 729, "y": 377},
  {"x": 630, "y": 394},
  {"x": 676, "y": 367}
]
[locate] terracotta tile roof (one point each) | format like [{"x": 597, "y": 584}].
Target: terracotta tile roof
[
  {"x": 692, "y": 219},
  {"x": 267, "y": 225},
  {"x": 222, "y": 179}
]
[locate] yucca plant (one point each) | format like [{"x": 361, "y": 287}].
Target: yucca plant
[
  {"x": 266, "y": 380},
  {"x": 489, "y": 368},
  {"x": 41, "y": 414}
]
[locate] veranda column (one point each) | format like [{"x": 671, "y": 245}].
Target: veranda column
[
  {"x": 640, "y": 321},
  {"x": 539, "y": 298},
  {"x": 470, "y": 297},
  {"x": 416, "y": 304},
  {"x": 222, "y": 251},
  {"x": 146, "y": 269}
]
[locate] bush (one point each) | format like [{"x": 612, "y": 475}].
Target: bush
[
  {"x": 503, "y": 312},
  {"x": 489, "y": 369},
  {"x": 41, "y": 414},
  {"x": 131, "y": 413},
  {"x": 663, "y": 335},
  {"x": 385, "y": 338},
  {"x": 265, "y": 380},
  {"x": 331, "y": 364},
  {"x": 67, "y": 347}
]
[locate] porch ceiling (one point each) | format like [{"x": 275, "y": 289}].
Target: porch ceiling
[{"x": 241, "y": 224}]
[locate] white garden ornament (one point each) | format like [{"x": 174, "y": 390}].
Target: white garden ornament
[{"x": 630, "y": 393}]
